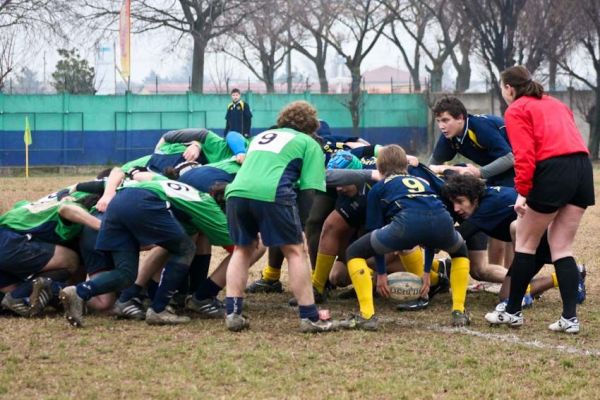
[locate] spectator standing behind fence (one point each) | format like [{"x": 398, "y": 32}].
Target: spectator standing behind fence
[{"x": 239, "y": 115}]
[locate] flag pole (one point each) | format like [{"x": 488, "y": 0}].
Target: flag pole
[{"x": 26, "y": 161}]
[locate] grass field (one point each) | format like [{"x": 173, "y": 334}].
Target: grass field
[{"x": 413, "y": 356}]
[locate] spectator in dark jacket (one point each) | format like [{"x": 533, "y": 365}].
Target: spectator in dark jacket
[{"x": 239, "y": 115}]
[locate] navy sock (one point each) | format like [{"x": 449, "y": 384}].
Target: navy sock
[
  {"x": 131, "y": 292},
  {"x": 151, "y": 288},
  {"x": 199, "y": 270},
  {"x": 311, "y": 312},
  {"x": 86, "y": 290},
  {"x": 184, "y": 286},
  {"x": 170, "y": 280},
  {"x": 23, "y": 290},
  {"x": 207, "y": 289},
  {"x": 234, "y": 305},
  {"x": 567, "y": 275},
  {"x": 56, "y": 286}
]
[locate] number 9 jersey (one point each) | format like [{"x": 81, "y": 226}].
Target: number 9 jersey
[
  {"x": 397, "y": 193},
  {"x": 277, "y": 159}
]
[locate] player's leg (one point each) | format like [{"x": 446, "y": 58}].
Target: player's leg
[
  {"x": 336, "y": 232},
  {"x": 181, "y": 252}
]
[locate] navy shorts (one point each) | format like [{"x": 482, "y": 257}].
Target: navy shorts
[
  {"x": 277, "y": 224},
  {"x": 563, "y": 180},
  {"x": 134, "y": 218},
  {"x": 21, "y": 257},
  {"x": 93, "y": 260},
  {"x": 432, "y": 229},
  {"x": 477, "y": 242},
  {"x": 203, "y": 178},
  {"x": 352, "y": 209}
]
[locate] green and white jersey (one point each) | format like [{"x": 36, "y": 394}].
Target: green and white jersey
[
  {"x": 230, "y": 165},
  {"x": 41, "y": 219},
  {"x": 213, "y": 148},
  {"x": 277, "y": 159},
  {"x": 201, "y": 212}
]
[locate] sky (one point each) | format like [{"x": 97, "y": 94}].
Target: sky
[{"x": 154, "y": 51}]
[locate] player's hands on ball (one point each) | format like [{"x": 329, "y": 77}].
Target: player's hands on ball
[
  {"x": 521, "y": 206},
  {"x": 426, "y": 283},
  {"x": 382, "y": 285},
  {"x": 192, "y": 152}
]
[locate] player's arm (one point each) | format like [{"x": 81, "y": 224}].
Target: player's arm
[
  {"x": 442, "y": 152},
  {"x": 343, "y": 177},
  {"x": 116, "y": 177},
  {"x": 238, "y": 145},
  {"x": 498, "y": 166},
  {"x": 76, "y": 214}
]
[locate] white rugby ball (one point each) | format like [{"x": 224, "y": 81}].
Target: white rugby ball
[{"x": 404, "y": 286}]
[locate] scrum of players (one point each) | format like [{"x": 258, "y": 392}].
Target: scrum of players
[{"x": 362, "y": 210}]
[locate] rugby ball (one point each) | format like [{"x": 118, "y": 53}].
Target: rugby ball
[{"x": 404, "y": 286}]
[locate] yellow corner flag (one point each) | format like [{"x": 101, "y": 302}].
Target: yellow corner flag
[
  {"x": 27, "y": 135},
  {"x": 27, "y": 140}
]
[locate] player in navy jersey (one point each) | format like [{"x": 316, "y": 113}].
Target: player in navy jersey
[
  {"x": 403, "y": 212},
  {"x": 491, "y": 210}
]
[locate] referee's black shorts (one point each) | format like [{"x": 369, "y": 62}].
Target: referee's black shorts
[{"x": 562, "y": 180}]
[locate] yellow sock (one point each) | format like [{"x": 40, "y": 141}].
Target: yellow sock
[
  {"x": 414, "y": 262},
  {"x": 271, "y": 274},
  {"x": 434, "y": 277},
  {"x": 459, "y": 280},
  {"x": 554, "y": 279},
  {"x": 323, "y": 267},
  {"x": 363, "y": 286}
]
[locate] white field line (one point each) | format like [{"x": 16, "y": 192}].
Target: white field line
[{"x": 498, "y": 337}]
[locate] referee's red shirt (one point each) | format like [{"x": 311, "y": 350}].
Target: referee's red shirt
[{"x": 539, "y": 129}]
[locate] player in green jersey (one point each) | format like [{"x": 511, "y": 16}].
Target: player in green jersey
[
  {"x": 262, "y": 200},
  {"x": 144, "y": 214},
  {"x": 33, "y": 240}
]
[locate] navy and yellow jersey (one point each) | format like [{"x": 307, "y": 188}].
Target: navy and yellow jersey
[
  {"x": 483, "y": 141},
  {"x": 397, "y": 193},
  {"x": 435, "y": 182},
  {"x": 367, "y": 156},
  {"x": 238, "y": 118},
  {"x": 494, "y": 213}
]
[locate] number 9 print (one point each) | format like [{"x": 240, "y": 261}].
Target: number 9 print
[{"x": 272, "y": 141}]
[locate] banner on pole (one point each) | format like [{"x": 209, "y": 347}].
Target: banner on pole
[{"x": 125, "y": 39}]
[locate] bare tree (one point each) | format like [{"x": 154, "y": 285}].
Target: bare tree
[
  {"x": 544, "y": 34},
  {"x": 221, "y": 72},
  {"x": 495, "y": 22},
  {"x": 313, "y": 20},
  {"x": 204, "y": 20},
  {"x": 456, "y": 34},
  {"x": 414, "y": 17},
  {"x": 359, "y": 26},
  {"x": 6, "y": 59},
  {"x": 261, "y": 42},
  {"x": 586, "y": 24},
  {"x": 35, "y": 15}
]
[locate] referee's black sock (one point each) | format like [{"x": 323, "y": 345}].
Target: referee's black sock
[
  {"x": 523, "y": 269},
  {"x": 568, "y": 279}
]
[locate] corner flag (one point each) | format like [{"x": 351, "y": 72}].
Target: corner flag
[{"x": 27, "y": 134}]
